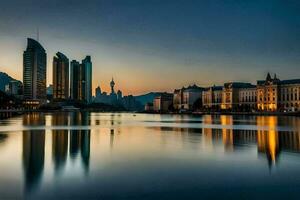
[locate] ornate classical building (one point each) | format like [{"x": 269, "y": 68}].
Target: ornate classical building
[
  {"x": 276, "y": 95},
  {"x": 187, "y": 98},
  {"x": 212, "y": 97},
  {"x": 234, "y": 92}
]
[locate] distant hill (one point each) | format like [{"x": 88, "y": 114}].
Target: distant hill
[
  {"x": 145, "y": 98},
  {"x": 4, "y": 80}
]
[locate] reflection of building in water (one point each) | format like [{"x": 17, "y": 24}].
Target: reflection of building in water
[
  {"x": 59, "y": 140},
  {"x": 80, "y": 139},
  {"x": 227, "y": 132},
  {"x": 267, "y": 140},
  {"x": 33, "y": 150}
]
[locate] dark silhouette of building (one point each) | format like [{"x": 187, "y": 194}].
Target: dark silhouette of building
[
  {"x": 75, "y": 82},
  {"x": 98, "y": 92},
  {"x": 87, "y": 78},
  {"x": 80, "y": 139},
  {"x": 34, "y": 71},
  {"x": 81, "y": 80},
  {"x": 59, "y": 140},
  {"x": 60, "y": 76},
  {"x": 33, "y": 151}
]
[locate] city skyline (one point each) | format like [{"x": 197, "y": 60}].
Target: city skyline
[{"x": 198, "y": 42}]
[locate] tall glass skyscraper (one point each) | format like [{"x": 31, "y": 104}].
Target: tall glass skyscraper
[
  {"x": 60, "y": 76},
  {"x": 87, "y": 78},
  {"x": 81, "y": 80},
  {"x": 75, "y": 80},
  {"x": 34, "y": 71}
]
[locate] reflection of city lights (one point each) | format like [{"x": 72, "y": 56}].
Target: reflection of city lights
[{"x": 267, "y": 141}]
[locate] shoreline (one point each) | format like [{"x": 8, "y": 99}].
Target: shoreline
[{"x": 20, "y": 112}]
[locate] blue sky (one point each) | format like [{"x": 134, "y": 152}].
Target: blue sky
[{"x": 158, "y": 45}]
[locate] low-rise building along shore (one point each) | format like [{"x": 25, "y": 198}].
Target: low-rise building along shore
[
  {"x": 277, "y": 95},
  {"x": 269, "y": 95},
  {"x": 189, "y": 98}
]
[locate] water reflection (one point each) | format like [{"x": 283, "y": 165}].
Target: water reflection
[
  {"x": 270, "y": 142},
  {"x": 34, "y": 144},
  {"x": 59, "y": 141},
  {"x": 57, "y": 149},
  {"x": 80, "y": 139},
  {"x": 3, "y": 137},
  {"x": 33, "y": 151}
]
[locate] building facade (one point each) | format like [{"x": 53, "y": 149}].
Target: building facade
[
  {"x": 60, "y": 76},
  {"x": 212, "y": 97},
  {"x": 188, "y": 98},
  {"x": 75, "y": 81},
  {"x": 232, "y": 93},
  {"x": 87, "y": 79},
  {"x": 34, "y": 71},
  {"x": 81, "y": 80},
  {"x": 178, "y": 98},
  {"x": 276, "y": 95},
  {"x": 163, "y": 102},
  {"x": 248, "y": 98}
]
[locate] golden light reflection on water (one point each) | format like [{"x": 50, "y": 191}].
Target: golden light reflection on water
[
  {"x": 267, "y": 141},
  {"x": 104, "y": 138}
]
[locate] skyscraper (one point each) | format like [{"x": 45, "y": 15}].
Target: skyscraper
[
  {"x": 81, "y": 80},
  {"x": 75, "y": 83},
  {"x": 60, "y": 76},
  {"x": 87, "y": 79},
  {"x": 34, "y": 71}
]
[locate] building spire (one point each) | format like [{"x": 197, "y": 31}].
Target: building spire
[{"x": 268, "y": 77}]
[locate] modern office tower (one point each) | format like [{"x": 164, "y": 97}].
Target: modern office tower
[
  {"x": 60, "y": 76},
  {"x": 75, "y": 82},
  {"x": 87, "y": 79},
  {"x": 81, "y": 80},
  {"x": 34, "y": 71}
]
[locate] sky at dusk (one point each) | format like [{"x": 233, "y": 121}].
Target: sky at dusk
[{"x": 158, "y": 45}]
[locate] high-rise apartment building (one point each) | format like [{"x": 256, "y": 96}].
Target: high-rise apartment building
[
  {"x": 34, "y": 71},
  {"x": 60, "y": 76}
]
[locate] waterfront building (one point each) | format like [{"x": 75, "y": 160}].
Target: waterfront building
[
  {"x": 60, "y": 76},
  {"x": 163, "y": 102},
  {"x": 75, "y": 80},
  {"x": 187, "y": 98},
  {"x": 276, "y": 95},
  {"x": 178, "y": 98},
  {"x": 191, "y": 96},
  {"x": 231, "y": 94},
  {"x": 81, "y": 80},
  {"x": 87, "y": 79},
  {"x": 212, "y": 97},
  {"x": 248, "y": 98},
  {"x": 34, "y": 72}
]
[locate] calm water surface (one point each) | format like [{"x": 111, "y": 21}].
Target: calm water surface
[{"x": 84, "y": 155}]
